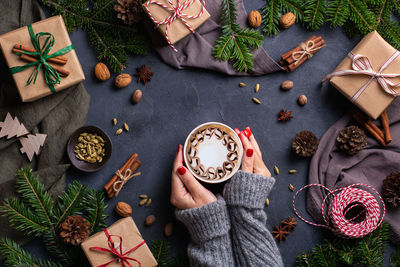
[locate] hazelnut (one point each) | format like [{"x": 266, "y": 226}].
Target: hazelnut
[
  {"x": 287, "y": 85},
  {"x": 149, "y": 220},
  {"x": 302, "y": 100},
  {"x": 254, "y": 19},
  {"x": 101, "y": 72},
  {"x": 123, "y": 80},
  {"x": 123, "y": 209},
  {"x": 137, "y": 96},
  {"x": 168, "y": 229},
  {"x": 287, "y": 20}
]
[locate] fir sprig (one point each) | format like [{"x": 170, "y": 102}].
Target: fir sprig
[
  {"x": 160, "y": 250},
  {"x": 36, "y": 215},
  {"x": 367, "y": 251},
  {"x": 111, "y": 40},
  {"x": 235, "y": 43}
]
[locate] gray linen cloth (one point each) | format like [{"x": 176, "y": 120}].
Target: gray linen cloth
[
  {"x": 195, "y": 49},
  {"x": 232, "y": 231},
  {"x": 57, "y": 116},
  {"x": 335, "y": 169}
]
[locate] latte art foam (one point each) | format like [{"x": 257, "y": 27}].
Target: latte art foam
[{"x": 217, "y": 150}]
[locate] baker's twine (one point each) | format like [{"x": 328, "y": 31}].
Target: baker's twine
[
  {"x": 342, "y": 201},
  {"x": 176, "y": 12},
  {"x": 307, "y": 48},
  {"x": 123, "y": 179}
]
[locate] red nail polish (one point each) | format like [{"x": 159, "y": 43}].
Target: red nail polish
[
  {"x": 249, "y": 152},
  {"x": 182, "y": 170},
  {"x": 237, "y": 131},
  {"x": 246, "y": 133},
  {"x": 248, "y": 129}
]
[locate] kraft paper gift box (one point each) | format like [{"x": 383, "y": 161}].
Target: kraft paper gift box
[
  {"x": 131, "y": 238},
  {"x": 373, "y": 100},
  {"x": 54, "y": 25},
  {"x": 177, "y": 29}
]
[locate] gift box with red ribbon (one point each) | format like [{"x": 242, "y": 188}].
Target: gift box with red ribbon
[
  {"x": 176, "y": 18},
  {"x": 370, "y": 75},
  {"x": 121, "y": 244}
]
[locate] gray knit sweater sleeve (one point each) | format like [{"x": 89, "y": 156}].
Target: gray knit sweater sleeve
[
  {"x": 209, "y": 228},
  {"x": 252, "y": 243}
]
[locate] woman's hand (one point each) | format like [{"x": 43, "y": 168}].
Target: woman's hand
[
  {"x": 252, "y": 158},
  {"x": 187, "y": 192}
]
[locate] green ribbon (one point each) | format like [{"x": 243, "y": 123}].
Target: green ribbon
[{"x": 51, "y": 76}]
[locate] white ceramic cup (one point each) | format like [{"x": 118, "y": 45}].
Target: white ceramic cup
[{"x": 212, "y": 152}]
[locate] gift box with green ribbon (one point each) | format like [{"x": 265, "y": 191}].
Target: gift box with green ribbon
[{"x": 41, "y": 58}]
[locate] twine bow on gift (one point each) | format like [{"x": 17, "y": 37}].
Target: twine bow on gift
[
  {"x": 352, "y": 211},
  {"x": 176, "y": 13},
  {"x": 51, "y": 76},
  {"x": 362, "y": 66},
  {"x": 123, "y": 179},
  {"x": 118, "y": 253},
  {"x": 306, "y": 49}
]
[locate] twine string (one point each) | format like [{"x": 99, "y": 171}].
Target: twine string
[
  {"x": 307, "y": 48},
  {"x": 337, "y": 211},
  {"x": 123, "y": 179}
]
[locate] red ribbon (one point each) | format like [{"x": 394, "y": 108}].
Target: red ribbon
[{"x": 119, "y": 254}]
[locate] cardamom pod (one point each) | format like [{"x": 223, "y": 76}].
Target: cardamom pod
[
  {"x": 291, "y": 187},
  {"x": 267, "y": 202},
  {"x": 118, "y": 132},
  {"x": 142, "y": 202},
  {"x": 148, "y": 202},
  {"x": 292, "y": 171},
  {"x": 242, "y": 84},
  {"x": 126, "y": 127},
  {"x": 257, "y": 88},
  {"x": 114, "y": 121},
  {"x": 276, "y": 169},
  {"x": 143, "y": 196},
  {"x": 256, "y": 100}
]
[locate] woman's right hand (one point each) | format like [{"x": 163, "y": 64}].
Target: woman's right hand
[{"x": 252, "y": 157}]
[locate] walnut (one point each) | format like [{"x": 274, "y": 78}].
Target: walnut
[
  {"x": 123, "y": 209},
  {"x": 122, "y": 80},
  {"x": 254, "y": 19},
  {"x": 287, "y": 20},
  {"x": 101, "y": 72},
  {"x": 302, "y": 100}
]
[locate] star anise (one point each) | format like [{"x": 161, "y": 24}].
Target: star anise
[
  {"x": 289, "y": 224},
  {"x": 144, "y": 74},
  {"x": 285, "y": 115},
  {"x": 280, "y": 233}
]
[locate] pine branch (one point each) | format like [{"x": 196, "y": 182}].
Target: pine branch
[
  {"x": 68, "y": 202},
  {"x": 270, "y": 18},
  {"x": 33, "y": 194},
  {"x": 93, "y": 203},
  {"x": 395, "y": 258},
  {"x": 160, "y": 249},
  {"x": 390, "y": 30},
  {"x": 234, "y": 43},
  {"x": 22, "y": 218},
  {"x": 314, "y": 14},
  {"x": 16, "y": 256},
  {"x": 294, "y": 6},
  {"x": 111, "y": 40},
  {"x": 363, "y": 18},
  {"x": 337, "y": 12}
]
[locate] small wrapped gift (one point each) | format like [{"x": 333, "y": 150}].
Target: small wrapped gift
[
  {"x": 176, "y": 18},
  {"x": 41, "y": 58},
  {"x": 370, "y": 75},
  {"x": 121, "y": 244}
]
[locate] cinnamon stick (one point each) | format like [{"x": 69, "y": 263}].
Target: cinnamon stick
[
  {"x": 385, "y": 126},
  {"x": 318, "y": 43},
  {"x": 370, "y": 127},
  {"x": 61, "y": 59},
  {"x": 133, "y": 167},
  {"x": 60, "y": 70},
  {"x": 298, "y": 48}
]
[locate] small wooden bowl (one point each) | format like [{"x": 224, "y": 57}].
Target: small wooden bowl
[{"x": 83, "y": 165}]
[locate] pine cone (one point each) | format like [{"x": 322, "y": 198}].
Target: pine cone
[
  {"x": 391, "y": 190},
  {"x": 74, "y": 229},
  {"x": 129, "y": 11},
  {"x": 305, "y": 144},
  {"x": 351, "y": 139}
]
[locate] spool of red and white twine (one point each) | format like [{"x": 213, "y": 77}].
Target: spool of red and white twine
[{"x": 352, "y": 212}]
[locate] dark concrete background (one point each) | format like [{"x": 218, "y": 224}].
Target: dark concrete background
[{"x": 174, "y": 102}]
